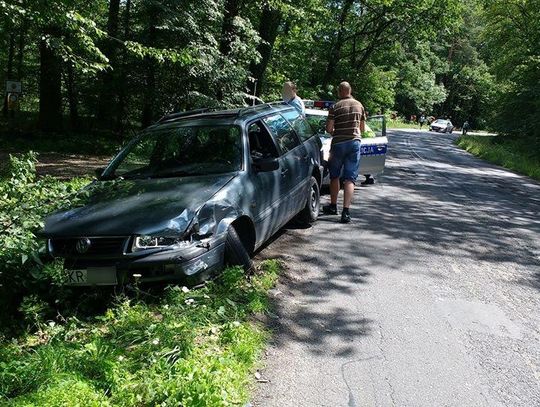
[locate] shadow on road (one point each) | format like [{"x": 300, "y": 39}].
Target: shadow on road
[{"x": 433, "y": 199}]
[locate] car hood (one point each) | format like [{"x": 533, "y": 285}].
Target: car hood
[{"x": 127, "y": 207}]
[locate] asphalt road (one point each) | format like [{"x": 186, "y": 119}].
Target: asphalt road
[{"x": 430, "y": 298}]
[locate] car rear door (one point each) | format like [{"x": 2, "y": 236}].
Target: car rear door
[
  {"x": 373, "y": 149},
  {"x": 312, "y": 143}
]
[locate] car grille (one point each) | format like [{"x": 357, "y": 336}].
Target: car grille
[{"x": 99, "y": 246}]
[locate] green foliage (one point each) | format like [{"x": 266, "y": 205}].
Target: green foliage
[
  {"x": 510, "y": 152},
  {"x": 24, "y": 200},
  {"x": 512, "y": 36},
  {"x": 195, "y": 348}
]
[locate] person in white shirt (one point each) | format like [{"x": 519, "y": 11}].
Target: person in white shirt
[{"x": 290, "y": 97}]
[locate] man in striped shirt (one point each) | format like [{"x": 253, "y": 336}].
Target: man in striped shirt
[{"x": 346, "y": 123}]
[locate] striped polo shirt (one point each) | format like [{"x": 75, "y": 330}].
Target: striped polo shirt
[{"x": 347, "y": 115}]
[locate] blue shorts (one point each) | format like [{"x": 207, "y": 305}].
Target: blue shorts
[{"x": 344, "y": 160}]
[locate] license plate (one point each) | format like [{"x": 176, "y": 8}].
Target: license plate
[
  {"x": 77, "y": 276},
  {"x": 92, "y": 276}
]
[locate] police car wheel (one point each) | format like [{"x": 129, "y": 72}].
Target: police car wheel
[{"x": 310, "y": 213}]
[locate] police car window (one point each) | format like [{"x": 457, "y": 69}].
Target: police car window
[
  {"x": 283, "y": 132},
  {"x": 299, "y": 124}
]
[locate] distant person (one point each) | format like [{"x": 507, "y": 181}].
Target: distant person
[
  {"x": 290, "y": 97},
  {"x": 422, "y": 120},
  {"x": 346, "y": 123},
  {"x": 465, "y": 127}
]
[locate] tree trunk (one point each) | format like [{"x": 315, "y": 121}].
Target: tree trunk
[
  {"x": 72, "y": 98},
  {"x": 20, "y": 53},
  {"x": 335, "y": 53},
  {"x": 149, "y": 93},
  {"x": 268, "y": 30},
  {"x": 150, "y": 82},
  {"x": 230, "y": 12},
  {"x": 122, "y": 83},
  {"x": 50, "y": 86},
  {"x": 108, "y": 95},
  {"x": 9, "y": 71}
]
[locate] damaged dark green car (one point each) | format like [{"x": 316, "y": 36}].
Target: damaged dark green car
[{"x": 197, "y": 191}]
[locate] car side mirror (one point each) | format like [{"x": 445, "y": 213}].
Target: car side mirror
[
  {"x": 98, "y": 172},
  {"x": 266, "y": 164}
]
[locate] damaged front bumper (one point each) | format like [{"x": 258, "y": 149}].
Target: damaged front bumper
[{"x": 190, "y": 264}]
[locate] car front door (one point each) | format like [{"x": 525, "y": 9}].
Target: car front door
[
  {"x": 265, "y": 191},
  {"x": 293, "y": 155},
  {"x": 373, "y": 149}
]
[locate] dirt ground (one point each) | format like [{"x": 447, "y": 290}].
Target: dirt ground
[{"x": 63, "y": 166}]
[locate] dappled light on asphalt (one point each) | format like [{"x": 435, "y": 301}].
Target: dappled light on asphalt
[{"x": 437, "y": 273}]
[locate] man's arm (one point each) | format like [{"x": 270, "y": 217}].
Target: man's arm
[
  {"x": 330, "y": 126},
  {"x": 363, "y": 122},
  {"x": 362, "y": 125}
]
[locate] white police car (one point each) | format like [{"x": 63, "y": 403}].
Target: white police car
[{"x": 373, "y": 147}]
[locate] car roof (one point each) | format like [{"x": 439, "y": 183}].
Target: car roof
[{"x": 230, "y": 116}]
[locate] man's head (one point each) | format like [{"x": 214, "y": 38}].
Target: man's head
[
  {"x": 344, "y": 90},
  {"x": 289, "y": 90}
]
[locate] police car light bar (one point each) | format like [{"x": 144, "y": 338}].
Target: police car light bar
[{"x": 323, "y": 104}]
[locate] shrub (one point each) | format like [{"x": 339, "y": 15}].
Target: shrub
[{"x": 24, "y": 200}]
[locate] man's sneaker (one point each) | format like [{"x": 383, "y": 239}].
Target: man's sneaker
[
  {"x": 345, "y": 218},
  {"x": 329, "y": 210}
]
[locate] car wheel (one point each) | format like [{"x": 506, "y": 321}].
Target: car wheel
[
  {"x": 235, "y": 251},
  {"x": 310, "y": 213}
]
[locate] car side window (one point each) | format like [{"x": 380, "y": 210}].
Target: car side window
[
  {"x": 261, "y": 144},
  {"x": 283, "y": 132},
  {"x": 299, "y": 124}
]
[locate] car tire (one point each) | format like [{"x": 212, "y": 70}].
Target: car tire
[
  {"x": 235, "y": 251},
  {"x": 310, "y": 213}
]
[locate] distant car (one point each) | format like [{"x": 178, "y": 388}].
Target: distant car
[
  {"x": 441, "y": 126},
  {"x": 373, "y": 147},
  {"x": 190, "y": 194}
]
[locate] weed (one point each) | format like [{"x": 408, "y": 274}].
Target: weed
[
  {"x": 511, "y": 153},
  {"x": 190, "y": 347}
]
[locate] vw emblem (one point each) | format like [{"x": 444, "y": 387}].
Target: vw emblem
[{"x": 82, "y": 245}]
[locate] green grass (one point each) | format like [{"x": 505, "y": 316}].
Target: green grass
[
  {"x": 184, "y": 348},
  {"x": 400, "y": 124},
  {"x": 510, "y": 153}
]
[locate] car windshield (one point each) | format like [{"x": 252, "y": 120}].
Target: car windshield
[
  {"x": 440, "y": 121},
  {"x": 180, "y": 151}
]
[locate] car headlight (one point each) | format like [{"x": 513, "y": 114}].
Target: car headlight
[{"x": 144, "y": 242}]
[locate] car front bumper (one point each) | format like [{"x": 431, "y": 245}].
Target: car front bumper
[{"x": 190, "y": 265}]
